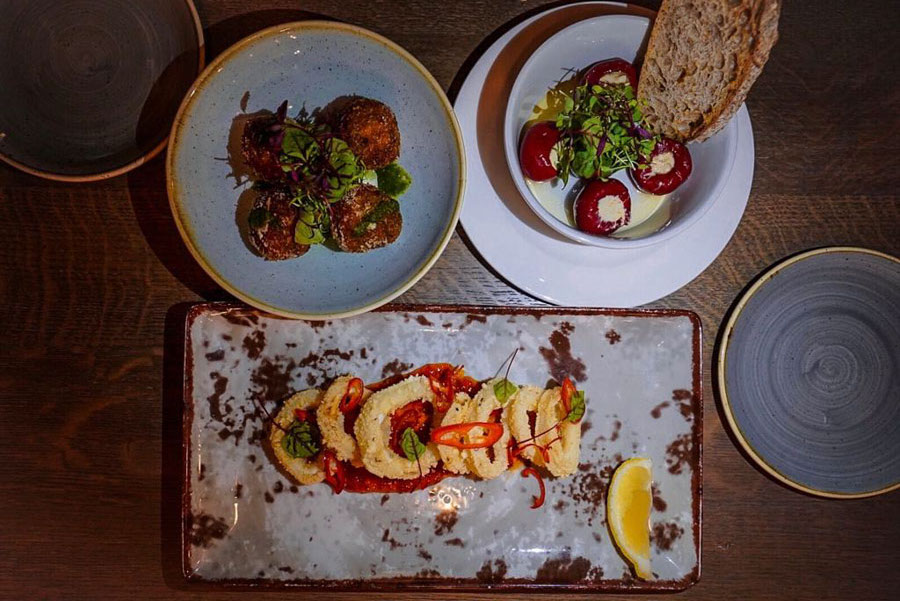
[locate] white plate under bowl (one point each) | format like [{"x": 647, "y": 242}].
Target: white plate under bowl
[
  {"x": 525, "y": 251},
  {"x": 573, "y": 49}
]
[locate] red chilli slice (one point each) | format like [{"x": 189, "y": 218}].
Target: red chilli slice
[
  {"x": 454, "y": 435},
  {"x": 568, "y": 389},
  {"x": 334, "y": 471},
  {"x": 352, "y": 397},
  {"x": 300, "y": 414},
  {"x": 538, "y": 500}
]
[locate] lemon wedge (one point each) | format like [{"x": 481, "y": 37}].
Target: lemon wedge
[{"x": 628, "y": 512}]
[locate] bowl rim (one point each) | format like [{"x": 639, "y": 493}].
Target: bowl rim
[
  {"x": 511, "y": 140},
  {"x": 184, "y": 228},
  {"x": 720, "y": 371},
  {"x": 144, "y": 158}
]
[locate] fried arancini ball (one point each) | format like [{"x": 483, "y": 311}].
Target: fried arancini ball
[
  {"x": 370, "y": 130},
  {"x": 259, "y": 154},
  {"x": 356, "y": 225},
  {"x": 272, "y": 222}
]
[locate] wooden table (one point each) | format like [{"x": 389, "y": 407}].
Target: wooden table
[{"x": 93, "y": 278}]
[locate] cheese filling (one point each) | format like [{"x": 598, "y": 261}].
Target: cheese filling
[
  {"x": 662, "y": 163},
  {"x": 611, "y": 209},
  {"x": 615, "y": 77}
]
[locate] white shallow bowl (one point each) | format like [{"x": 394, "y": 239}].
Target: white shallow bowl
[{"x": 577, "y": 47}]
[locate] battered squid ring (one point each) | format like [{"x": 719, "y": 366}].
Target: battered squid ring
[
  {"x": 459, "y": 412},
  {"x": 479, "y": 460},
  {"x": 373, "y": 431},
  {"x": 305, "y": 471},
  {"x": 524, "y": 400},
  {"x": 563, "y": 454},
  {"x": 331, "y": 422}
]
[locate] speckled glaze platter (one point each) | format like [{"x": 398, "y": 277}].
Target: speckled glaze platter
[
  {"x": 809, "y": 372},
  {"x": 245, "y": 523}
]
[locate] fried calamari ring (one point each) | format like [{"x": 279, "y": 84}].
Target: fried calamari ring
[
  {"x": 334, "y": 424},
  {"x": 563, "y": 454},
  {"x": 373, "y": 431},
  {"x": 459, "y": 412},
  {"x": 488, "y": 463},
  {"x": 524, "y": 401},
  {"x": 304, "y": 470}
]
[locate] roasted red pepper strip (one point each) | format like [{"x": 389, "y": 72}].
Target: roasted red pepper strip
[
  {"x": 440, "y": 378},
  {"x": 568, "y": 389},
  {"x": 352, "y": 397},
  {"x": 454, "y": 435},
  {"x": 334, "y": 471},
  {"x": 539, "y": 500}
]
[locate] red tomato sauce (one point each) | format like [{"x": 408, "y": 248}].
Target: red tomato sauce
[{"x": 358, "y": 479}]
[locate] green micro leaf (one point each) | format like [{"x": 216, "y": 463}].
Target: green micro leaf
[
  {"x": 297, "y": 143},
  {"x": 301, "y": 439},
  {"x": 410, "y": 444},
  {"x": 576, "y": 412},
  {"x": 305, "y": 233},
  {"x": 503, "y": 389}
]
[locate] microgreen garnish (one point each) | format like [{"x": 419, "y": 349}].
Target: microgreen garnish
[
  {"x": 601, "y": 132},
  {"x": 410, "y": 444},
  {"x": 393, "y": 180},
  {"x": 503, "y": 389},
  {"x": 301, "y": 439},
  {"x": 382, "y": 209},
  {"x": 322, "y": 168},
  {"x": 577, "y": 411}
]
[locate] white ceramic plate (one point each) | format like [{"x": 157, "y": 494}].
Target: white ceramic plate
[{"x": 521, "y": 247}]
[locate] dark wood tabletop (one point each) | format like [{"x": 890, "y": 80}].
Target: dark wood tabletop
[{"x": 94, "y": 280}]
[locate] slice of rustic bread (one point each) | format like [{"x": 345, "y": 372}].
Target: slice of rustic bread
[{"x": 702, "y": 58}]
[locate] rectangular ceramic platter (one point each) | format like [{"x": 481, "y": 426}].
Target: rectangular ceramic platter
[{"x": 246, "y": 523}]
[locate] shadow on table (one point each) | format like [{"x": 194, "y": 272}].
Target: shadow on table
[
  {"x": 219, "y": 36},
  {"x": 147, "y": 185},
  {"x": 173, "y": 452},
  {"x": 147, "y": 190}
]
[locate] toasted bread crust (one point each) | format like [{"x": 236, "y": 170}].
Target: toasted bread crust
[{"x": 701, "y": 61}]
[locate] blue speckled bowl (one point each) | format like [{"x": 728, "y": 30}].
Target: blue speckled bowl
[{"x": 311, "y": 63}]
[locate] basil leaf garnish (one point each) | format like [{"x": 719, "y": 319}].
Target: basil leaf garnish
[
  {"x": 410, "y": 444},
  {"x": 503, "y": 389},
  {"x": 301, "y": 439},
  {"x": 576, "y": 412}
]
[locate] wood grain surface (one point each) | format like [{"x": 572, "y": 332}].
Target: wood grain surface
[{"x": 94, "y": 282}]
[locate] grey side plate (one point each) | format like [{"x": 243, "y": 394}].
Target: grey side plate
[{"x": 809, "y": 372}]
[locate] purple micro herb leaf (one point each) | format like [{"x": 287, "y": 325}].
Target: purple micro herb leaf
[
  {"x": 642, "y": 132},
  {"x": 601, "y": 145},
  {"x": 281, "y": 113},
  {"x": 295, "y": 176}
]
